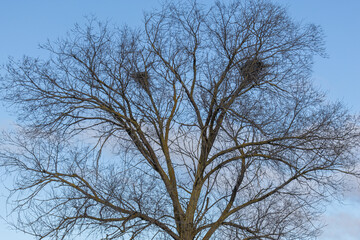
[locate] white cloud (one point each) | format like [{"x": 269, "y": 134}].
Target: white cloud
[{"x": 343, "y": 221}]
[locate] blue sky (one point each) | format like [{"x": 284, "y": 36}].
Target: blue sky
[{"x": 24, "y": 24}]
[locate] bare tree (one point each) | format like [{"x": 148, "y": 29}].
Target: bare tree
[{"x": 202, "y": 125}]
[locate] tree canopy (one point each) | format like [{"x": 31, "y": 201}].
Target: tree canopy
[{"x": 203, "y": 124}]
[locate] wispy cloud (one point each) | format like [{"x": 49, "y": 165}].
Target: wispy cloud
[{"x": 343, "y": 222}]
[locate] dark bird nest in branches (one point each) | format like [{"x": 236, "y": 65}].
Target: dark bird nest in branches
[
  {"x": 142, "y": 78},
  {"x": 253, "y": 71}
]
